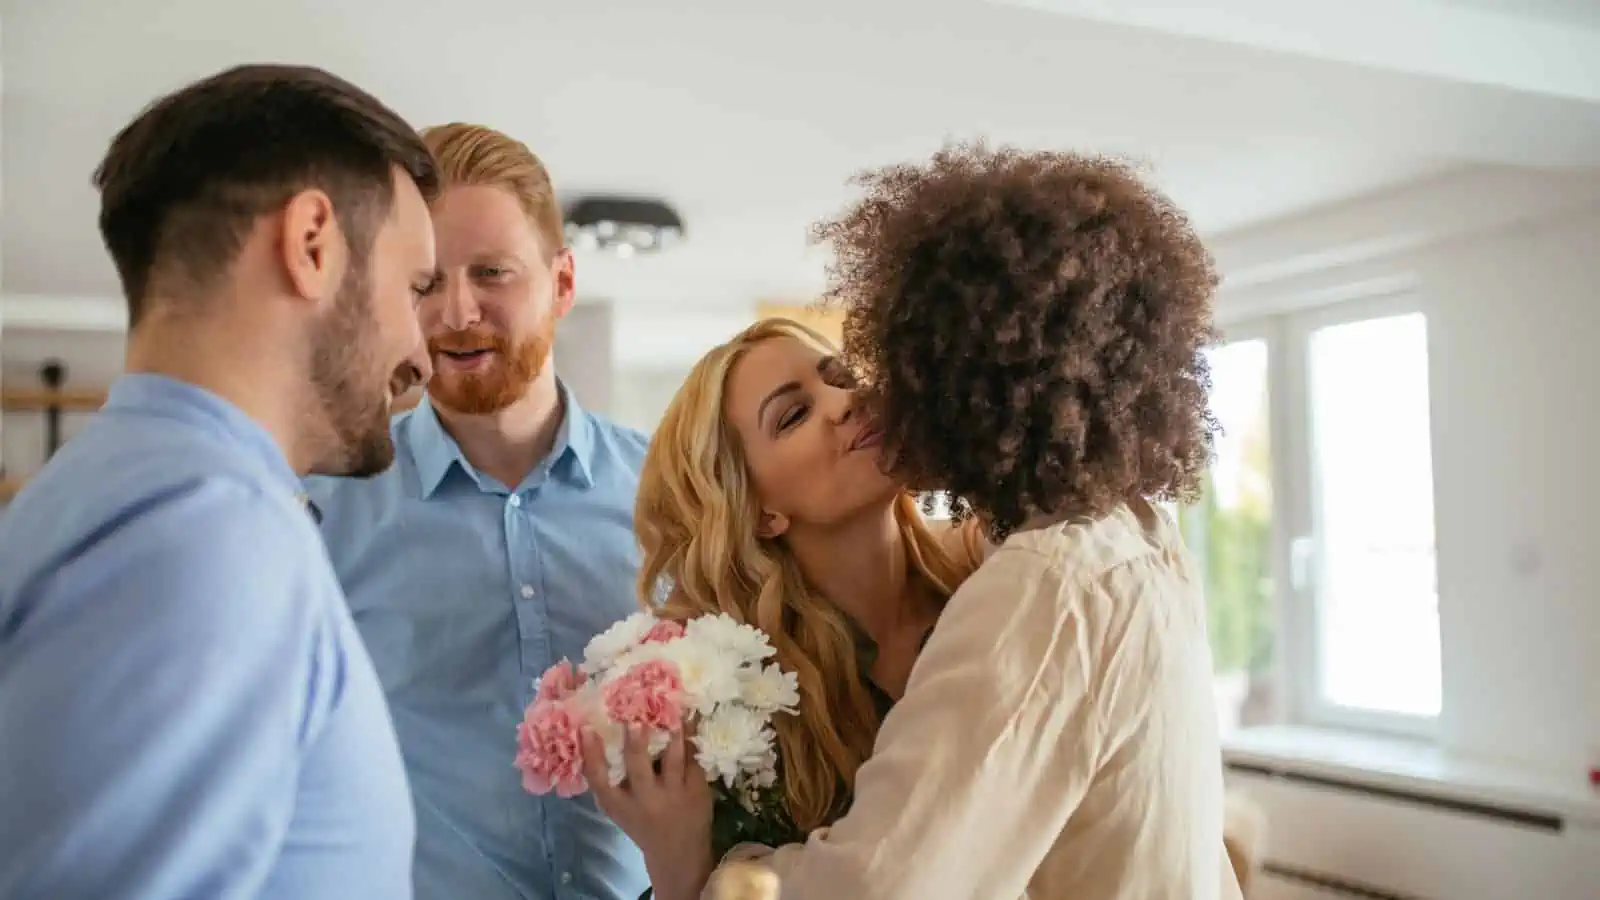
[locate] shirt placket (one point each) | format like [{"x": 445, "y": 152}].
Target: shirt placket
[
  {"x": 522, "y": 560},
  {"x": 533, "y": 630}
]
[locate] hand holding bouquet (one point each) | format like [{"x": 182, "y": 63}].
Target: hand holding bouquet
[{"x": 709, "y": 676}]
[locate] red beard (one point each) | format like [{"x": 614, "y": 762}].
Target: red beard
[{"x": 495, "y": 386}]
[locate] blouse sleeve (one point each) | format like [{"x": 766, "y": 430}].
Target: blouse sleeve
[{"x": 978, "y": 768}]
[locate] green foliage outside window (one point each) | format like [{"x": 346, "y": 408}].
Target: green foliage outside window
[{"x": 1234, "y": 546}]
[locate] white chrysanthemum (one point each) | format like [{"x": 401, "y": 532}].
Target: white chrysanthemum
[
  {"x": 606, "y": 646},
  {"x": 710, "y": 675},
  {"x": 745, "y": 643},
  {"x": 765, "y": 775},
  {"x": 769, "y": 690},
  {"x": 731, "y": 741}
]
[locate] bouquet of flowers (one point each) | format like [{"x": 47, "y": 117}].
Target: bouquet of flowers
[{"x": 711, "y": 673}]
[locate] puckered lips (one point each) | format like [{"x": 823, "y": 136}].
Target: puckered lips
[{"x": 869, "y": 437}]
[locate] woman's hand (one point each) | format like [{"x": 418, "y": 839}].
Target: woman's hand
[{"x": 667, "y": 813}]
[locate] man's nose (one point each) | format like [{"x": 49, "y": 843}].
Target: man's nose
[
  {"x": 461, "y": 309},
  {"x": 420, "y": 363}
]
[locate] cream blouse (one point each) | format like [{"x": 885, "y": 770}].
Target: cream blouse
[{"x": 1057, "y": 738}]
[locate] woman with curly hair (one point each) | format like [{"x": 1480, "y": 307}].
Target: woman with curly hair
[
  {"x": 1033, "y": 326},
  {"x": 762, "y": 497}
]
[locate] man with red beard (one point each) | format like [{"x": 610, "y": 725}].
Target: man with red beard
[{"x": 499, "y": 543}]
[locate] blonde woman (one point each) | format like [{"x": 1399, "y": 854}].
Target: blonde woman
[
  {"x": 1032, "y": 326},
  {"x": 762, "y": 497}
]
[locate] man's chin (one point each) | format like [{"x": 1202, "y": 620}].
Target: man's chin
[
  {"x": 363, "y": 457},
  {"x": 475, "y": 398},
  {"x": 373, "y": 460}
]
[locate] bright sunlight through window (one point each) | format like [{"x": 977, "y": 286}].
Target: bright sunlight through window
[{"x": 1377, "y": 602}]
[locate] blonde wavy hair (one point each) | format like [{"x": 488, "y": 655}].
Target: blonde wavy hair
[{"x": 696, "y": 521}]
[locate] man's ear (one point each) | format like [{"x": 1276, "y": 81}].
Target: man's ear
[
  {"x": 313, "y": 249},
  {"x": 772, "y": 525},
  {"x": 565, "y": 269}
]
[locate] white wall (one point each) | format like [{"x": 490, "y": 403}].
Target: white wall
[
  {"x": 584, "y": 354},
  {"x": 1507, "y": 268},
  {"x": 1516, "y": 382},
  {"x": 643, "y": 392},
  {"x": 656, "y": 350}
]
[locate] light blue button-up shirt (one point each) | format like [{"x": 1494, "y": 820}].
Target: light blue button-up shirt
[
  {"x": 466, "y": 592},
  {"x": 186, "y": 709}
]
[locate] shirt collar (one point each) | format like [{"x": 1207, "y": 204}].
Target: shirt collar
[
  {"x": 148, "y": 394},
  {"x": 436, "y": 452}
]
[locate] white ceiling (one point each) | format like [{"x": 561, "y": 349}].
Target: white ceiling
[
  {"x": 750, "y": 116},
  {"x": 1583, "y": 13}
]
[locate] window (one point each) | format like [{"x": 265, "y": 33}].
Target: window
[
  {"x": 1371, "y": 540},
  {"x": 1230, "y": 534},
  {"x": 1314, "y": 530},
  {"x": 935, "y": 505}
]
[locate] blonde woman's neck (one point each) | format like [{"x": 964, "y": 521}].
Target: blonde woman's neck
[{"x": 862, "y": 568}]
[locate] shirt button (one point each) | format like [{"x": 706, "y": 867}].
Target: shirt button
[
  {"x": 566, "y": 877},
  {"x": 527, "y": 592},
  {"x": 516, "y": 500}
]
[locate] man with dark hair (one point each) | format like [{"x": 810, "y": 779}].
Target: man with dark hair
[{"x": 186, "y": 707}]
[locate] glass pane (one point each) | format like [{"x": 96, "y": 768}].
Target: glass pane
[
  {"x": 1377, "y": 601},
  {"x": 935, "y": 505},
  {"x": 1230, "y": 534}
]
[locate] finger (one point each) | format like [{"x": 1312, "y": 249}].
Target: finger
[
  {"x": 597, "y": 772},
  {"x": 672, "y": 761},
  {"x": 636, "y": 760}
]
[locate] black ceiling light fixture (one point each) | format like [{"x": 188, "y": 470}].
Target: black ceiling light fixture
[{"x": 624, "y": 226}]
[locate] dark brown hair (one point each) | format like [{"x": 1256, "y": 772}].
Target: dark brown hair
[
  {"x": 184, "y": 183},
  {"x": 1030, "y": 327}
]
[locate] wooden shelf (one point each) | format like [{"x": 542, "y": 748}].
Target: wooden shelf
[
  {"x": 9, "y": 488},
  {"x": 69, "y": 399}
]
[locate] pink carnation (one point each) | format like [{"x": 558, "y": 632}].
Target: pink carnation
[
  {"x": 649, "y": 695},
  {"x": 550, "y": 749},
  {"x": 662, "y": 632},
  {"x": 558, "y": 682}
]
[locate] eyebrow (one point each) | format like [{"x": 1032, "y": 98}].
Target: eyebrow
[
  {"x": 788, "y": 387},
  {"x": 494, "y": 257}
]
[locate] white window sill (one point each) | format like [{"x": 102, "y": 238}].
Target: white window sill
[{"x": 1400, "y": 764}]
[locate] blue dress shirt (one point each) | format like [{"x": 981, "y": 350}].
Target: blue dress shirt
[
  {"x": 465, "y": 592},
  {"x": 186, "y": 709}
]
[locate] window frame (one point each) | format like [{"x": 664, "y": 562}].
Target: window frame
[{"x": 1296, "y": 503}]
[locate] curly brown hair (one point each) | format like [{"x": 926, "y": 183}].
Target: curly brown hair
[{"x": 1030, "y": 328}]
